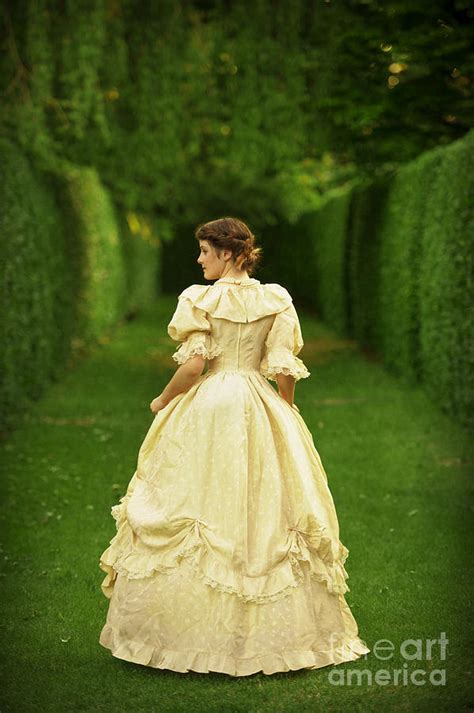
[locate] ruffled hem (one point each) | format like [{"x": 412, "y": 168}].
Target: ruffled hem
[
  {"x": 350, "y": 649},
  {"x": 189, "y": 349},
  {"x": 297, "y": 369},
  {"x": 307, "y": 549},
  {"x": 283, "y": 362}
]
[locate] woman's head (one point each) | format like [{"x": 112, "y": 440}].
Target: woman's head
[{"x": 227, "y": 246}]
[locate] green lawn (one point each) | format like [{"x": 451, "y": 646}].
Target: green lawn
[{"x": 401, "y": 477}]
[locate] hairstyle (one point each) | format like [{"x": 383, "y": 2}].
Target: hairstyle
[{"x": 231, "y": 234}]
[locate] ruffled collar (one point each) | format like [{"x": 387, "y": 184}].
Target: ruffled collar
[
  {"x": 226, "y": 299},
  {"x": 238, "y": 280}
]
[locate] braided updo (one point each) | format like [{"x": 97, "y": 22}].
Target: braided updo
[{"x": 234, "y": 235}]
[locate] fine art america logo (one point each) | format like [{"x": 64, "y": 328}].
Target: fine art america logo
[{"x": 410, "y": 673}]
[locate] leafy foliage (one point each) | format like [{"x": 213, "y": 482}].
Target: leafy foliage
[{"x": 189, "y": 109}]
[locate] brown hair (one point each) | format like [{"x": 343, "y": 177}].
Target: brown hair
[{"x": 232, "y": 234}]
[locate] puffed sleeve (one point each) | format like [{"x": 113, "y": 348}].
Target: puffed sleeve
[
  {"x": 284, "y": 341},
  {"x": 189, "y": 325}
]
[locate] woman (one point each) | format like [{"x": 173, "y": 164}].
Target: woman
[{"x": 227, "y": 555}]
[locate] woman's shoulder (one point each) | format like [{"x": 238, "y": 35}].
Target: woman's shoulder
[
  {"x": 265, "y": 287},
  {"x": 277, "y": 289},
  {"x": 192, "y": 291},
  {"x": 238, "y": 302}
]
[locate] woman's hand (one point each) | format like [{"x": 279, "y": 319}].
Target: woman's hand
[
  {"x": 286, "y": 387},
  {"x": 291, "y": 404},
  {"x": 157, "y": 404}
]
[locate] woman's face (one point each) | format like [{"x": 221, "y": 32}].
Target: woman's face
[{"x": 212, "y": 265}]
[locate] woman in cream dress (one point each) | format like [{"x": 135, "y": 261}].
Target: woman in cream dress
[{"x": 227, "y": 555}]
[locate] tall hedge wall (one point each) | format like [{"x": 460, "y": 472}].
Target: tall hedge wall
[
  {"x": 393, "y": 268},
  {"x": 72, "y": 265},
  {"x": 36, "y": 303},
  {"x": 446, "y": 293},
  {"x": 97, "y": 268},
  {"x": 328, "y": 252}
]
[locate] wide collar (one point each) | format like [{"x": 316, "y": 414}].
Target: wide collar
[{"x": 226, "y": 300}]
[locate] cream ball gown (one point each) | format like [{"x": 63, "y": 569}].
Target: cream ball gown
[{"x": 227, "y": 555}]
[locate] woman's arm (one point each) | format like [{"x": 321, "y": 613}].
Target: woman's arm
[
  {"x": 184, "y": 377},
  {"x": 286, "y": 387}
]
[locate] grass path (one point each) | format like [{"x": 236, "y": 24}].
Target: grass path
[{"x": 400, "y": 474}]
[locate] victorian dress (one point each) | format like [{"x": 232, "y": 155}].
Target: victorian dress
[{"x": 227, "y": 556}]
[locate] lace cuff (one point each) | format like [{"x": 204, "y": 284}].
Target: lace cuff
[
  {"x": 197, "y": 343},
  {"x": 283, "y": 361}
]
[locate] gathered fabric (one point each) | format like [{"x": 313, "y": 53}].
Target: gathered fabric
[{"x": 227, "y": 554}]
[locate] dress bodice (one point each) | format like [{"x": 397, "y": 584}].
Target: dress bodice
[
  {"x": 243, "y": 343},
  {"x": 227, "y": 555},
  {"x": 239, "y": 325}
]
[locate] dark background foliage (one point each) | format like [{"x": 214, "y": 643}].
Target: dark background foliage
[
  {"x": 126, "y": 123},
  {"x": 192, "y": 108}
]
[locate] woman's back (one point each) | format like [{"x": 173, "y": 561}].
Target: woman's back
[
  {"x": 227, "y": 555},
  {"x": 246, "y": 325}
]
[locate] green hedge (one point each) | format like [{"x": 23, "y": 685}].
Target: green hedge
[
  {"x": 393, "y": 267},
  {"x": 141, "y": 243},
  {"x": 446, "y": 300},
  {"x": 401, "y": 234},
  {"x": 97, "y": 267},
  {"x": 34, "y": 293},
  {"x": 364, "y": 261},
  {"x": 71, "y": 267},
  {"x": 330, "y": 261}
]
